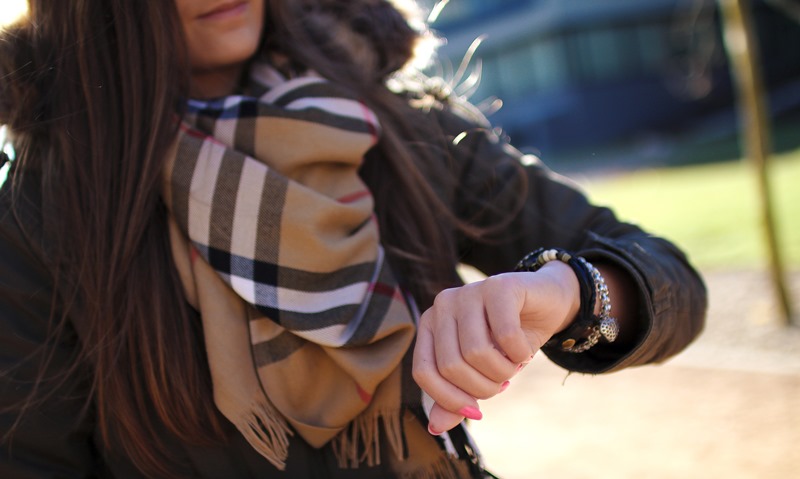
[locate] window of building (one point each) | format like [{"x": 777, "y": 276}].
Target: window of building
[
  {"x": 653, "y": 49},
  {"x": 535, "y": 67},
  {"x": 550, "y": 69}
]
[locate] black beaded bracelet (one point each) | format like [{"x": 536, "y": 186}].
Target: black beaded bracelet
[{"x": 588, "y": 328}]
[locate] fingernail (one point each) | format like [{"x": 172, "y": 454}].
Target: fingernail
[
  {"x": 470, "y": 412},
  {"x": 522, "y": 365},
  {"x": 505, "y": 386},
  {"x": 432, "y": 431}
]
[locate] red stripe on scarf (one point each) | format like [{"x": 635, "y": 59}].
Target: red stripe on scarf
[
  {"x": 387, "y": 290},
  {"x": 365, "y": 396},
  {"x": 352, "y": 198},
  {"x": 199, "y": 134},
  {"x": 193, "y": 254},
  {"x": 369, "y": 120}
]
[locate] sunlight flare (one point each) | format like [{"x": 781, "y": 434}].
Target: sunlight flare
[{"x": 11, "y": 10}]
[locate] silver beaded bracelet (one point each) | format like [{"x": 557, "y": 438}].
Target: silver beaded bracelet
[{"x": 607, "y": 326}]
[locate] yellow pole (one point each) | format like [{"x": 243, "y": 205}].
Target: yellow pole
[{"x": 742, "y": 46}]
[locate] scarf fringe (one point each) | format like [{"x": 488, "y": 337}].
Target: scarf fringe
[
  {"x": 267, "y": 432},
  {"x": 446, "y": 467},
  {"x": 360, "y": 442}
]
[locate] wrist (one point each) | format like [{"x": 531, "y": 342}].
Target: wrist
[
  {"x": 590, "y": 326},
  {"x": 570, "y": 287}
]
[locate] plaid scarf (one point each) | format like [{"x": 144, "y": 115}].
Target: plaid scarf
[{"x": 276, "y": 243}]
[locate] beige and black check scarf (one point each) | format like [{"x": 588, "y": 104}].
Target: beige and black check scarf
[{"x": 276, "y": 242}]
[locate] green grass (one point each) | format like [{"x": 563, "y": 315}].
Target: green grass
[{"x": 711, "y": 210}]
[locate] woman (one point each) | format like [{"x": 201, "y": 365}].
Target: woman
[{"x": 198, "y": 288}]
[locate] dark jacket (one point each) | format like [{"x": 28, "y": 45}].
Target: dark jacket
[{"x": 54, "y": 439}]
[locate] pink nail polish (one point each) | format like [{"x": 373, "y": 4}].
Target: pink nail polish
[
  {"x": 433, "y": 432},
  {"x": 470, "y": 412},
  {"x": 505, "y": 386}
]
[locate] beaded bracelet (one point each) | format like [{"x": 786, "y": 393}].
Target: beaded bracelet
[{"x": 587, "y": 329}]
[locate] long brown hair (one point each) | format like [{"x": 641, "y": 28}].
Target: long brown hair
[{"x": 91, "y": 91}]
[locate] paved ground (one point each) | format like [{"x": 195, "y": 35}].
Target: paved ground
[{"x": 728, "y": 407}]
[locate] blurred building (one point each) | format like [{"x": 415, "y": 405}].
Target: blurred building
[{"x": 574, "y": 74}]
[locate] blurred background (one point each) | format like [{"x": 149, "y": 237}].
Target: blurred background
[
  {"x": 643, "y": 104},
  {"x": 582, "y": 81}
]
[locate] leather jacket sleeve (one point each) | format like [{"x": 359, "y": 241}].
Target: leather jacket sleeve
[
  {"x": 555, "y": 213},
  {"x": 52, "y": 437}
]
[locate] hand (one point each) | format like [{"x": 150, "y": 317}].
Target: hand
[{"x": 477, "y": 337}]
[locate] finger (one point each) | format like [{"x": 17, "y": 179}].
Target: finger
[
  {"x": 477, "y": 345},
  {"x": 451, "y": 363},
  {"x": 503, "y": 305},
  {"x": 479, "y": 351},
  {"x": 441, "y": 420},
  {"x": 426, "y": 374}
]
